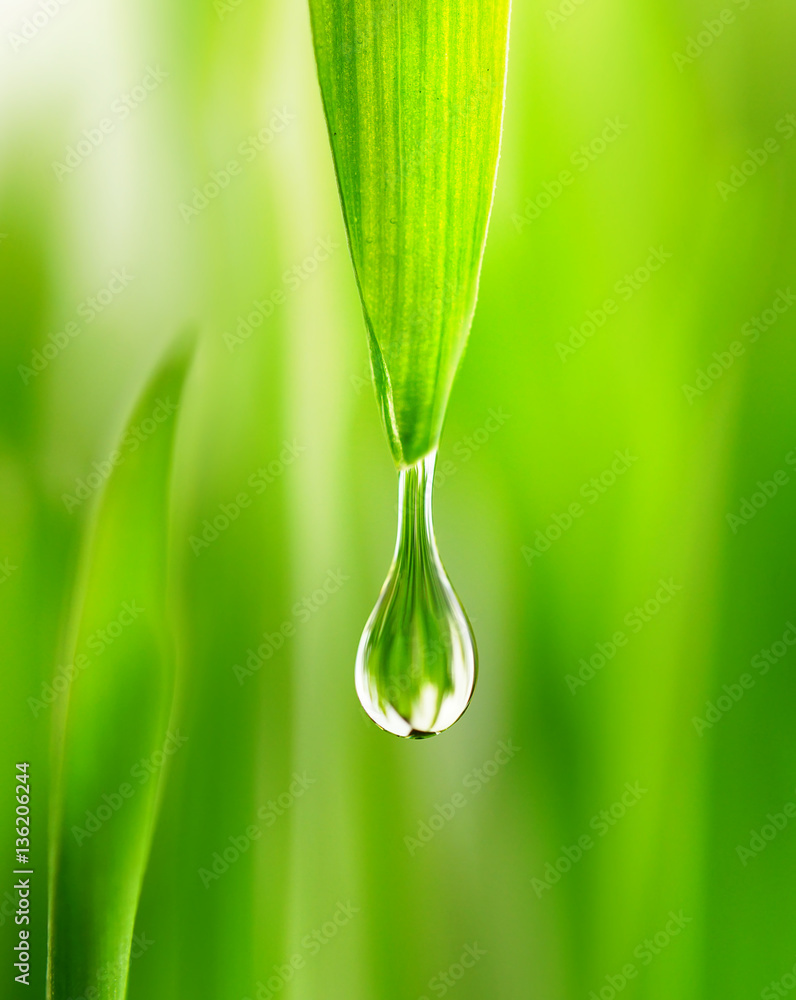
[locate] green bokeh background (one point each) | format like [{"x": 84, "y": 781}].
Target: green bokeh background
[{"x": 301, "y": 377}]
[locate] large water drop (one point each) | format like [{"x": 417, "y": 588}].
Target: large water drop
[{"x": 417, "y": 662}]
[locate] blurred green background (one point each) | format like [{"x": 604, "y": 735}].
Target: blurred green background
[{"x": 199, "y": 195}]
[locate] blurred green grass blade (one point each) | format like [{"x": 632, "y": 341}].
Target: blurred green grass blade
[
  {"x": 116, "y": 739},
  {"x": 413, "y": 95}
]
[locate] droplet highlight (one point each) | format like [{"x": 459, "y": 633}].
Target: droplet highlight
[{"x": 417, "y": 661}]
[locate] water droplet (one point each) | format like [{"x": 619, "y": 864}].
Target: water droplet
[{"x": 417, "y": 662}]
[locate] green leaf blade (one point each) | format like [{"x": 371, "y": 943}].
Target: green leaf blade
[
  {"x": 413, "y": 95},
  {"x": 116, "y": 711}
]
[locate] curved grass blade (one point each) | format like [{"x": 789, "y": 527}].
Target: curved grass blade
[
  {"x": 413, "y": 92},
  {"x": 115, "y": 732}
]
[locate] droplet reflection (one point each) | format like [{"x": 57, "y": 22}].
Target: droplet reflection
[{"x": 417, "y": 661}]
